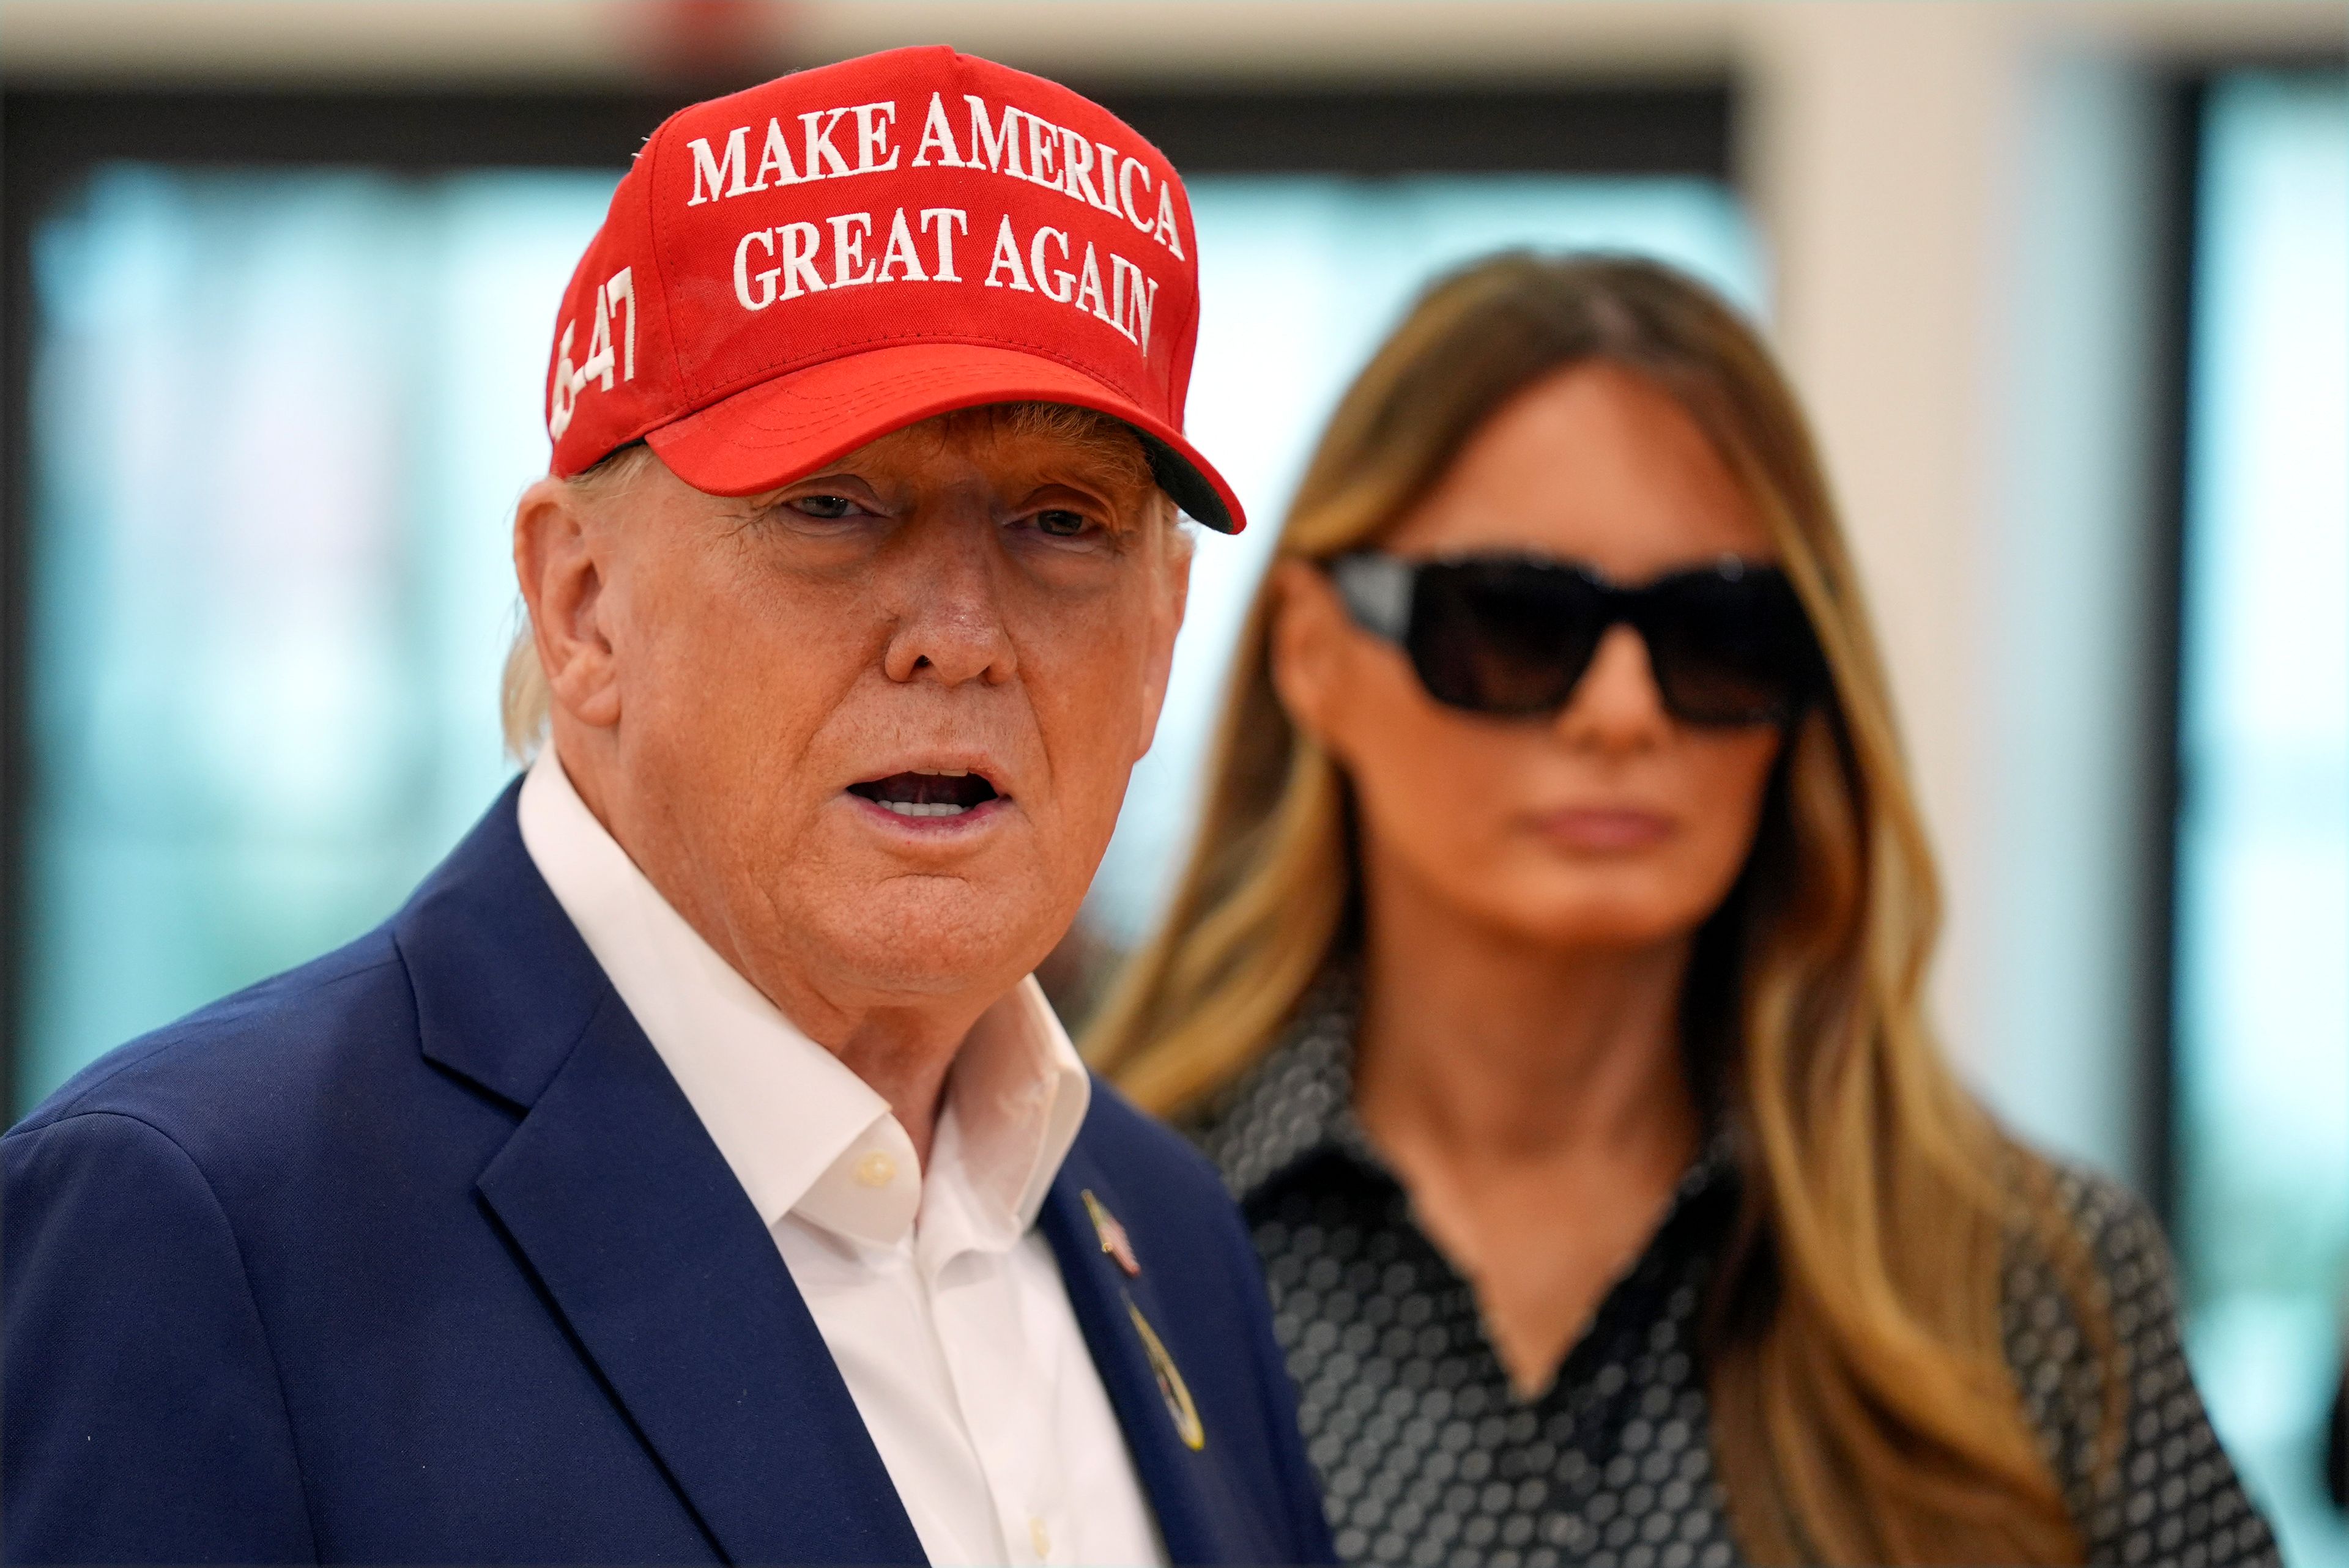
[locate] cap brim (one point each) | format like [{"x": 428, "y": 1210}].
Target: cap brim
[{"x": 771, "y": 433}]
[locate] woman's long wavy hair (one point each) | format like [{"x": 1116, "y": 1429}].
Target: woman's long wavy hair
[{"x": 1863, "y": 1410}]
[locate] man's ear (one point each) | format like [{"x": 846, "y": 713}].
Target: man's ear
[
  {"x": 558, "y": 558},
  {"x": 1307, "y": 641}
]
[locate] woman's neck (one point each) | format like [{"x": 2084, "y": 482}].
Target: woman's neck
[
  {"x": 1481, "y": 1049},
  {"x": 1534, "y": 1103}
]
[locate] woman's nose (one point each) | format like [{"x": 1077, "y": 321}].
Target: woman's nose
[{"x": 1617, "y": 705}]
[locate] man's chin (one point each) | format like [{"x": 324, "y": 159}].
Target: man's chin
[{"x": 939, "y": 936}]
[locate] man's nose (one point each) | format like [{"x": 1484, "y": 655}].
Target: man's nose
[
  {"x": 1617, "y": 705},
  {"x": 945, "y": 588}
]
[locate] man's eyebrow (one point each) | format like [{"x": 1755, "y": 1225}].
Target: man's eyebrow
[{"x": 1104, "y": 471}]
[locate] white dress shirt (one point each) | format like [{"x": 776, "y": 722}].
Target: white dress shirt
[{"x": 940, "y": 1302}]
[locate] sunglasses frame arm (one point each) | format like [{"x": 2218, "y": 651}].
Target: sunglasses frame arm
[{"x": 1377, "y": 590}]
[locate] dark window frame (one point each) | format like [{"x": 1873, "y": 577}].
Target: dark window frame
[
  {"x": 52, "y": 137},
  {"x": 2178, "y": 126}
]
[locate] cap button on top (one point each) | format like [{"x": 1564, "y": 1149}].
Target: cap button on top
[{"x": 875, "y": 1170}]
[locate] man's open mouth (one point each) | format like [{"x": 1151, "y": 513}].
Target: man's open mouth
[{"x": 926, "y": 794}]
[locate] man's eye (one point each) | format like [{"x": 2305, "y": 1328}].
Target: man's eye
[
  {"x": 1062, "y": 524},
  {"x": 827, "y": 507}
]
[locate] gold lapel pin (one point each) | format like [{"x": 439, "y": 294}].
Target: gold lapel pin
[
  {"x": 1171, "y": 1386},
  {"x": 1113, "y": 1239}
]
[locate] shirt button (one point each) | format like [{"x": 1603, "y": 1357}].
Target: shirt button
[
  {"x": 875, "y": 1170},
  {"x": 1039, "y": 1537}
]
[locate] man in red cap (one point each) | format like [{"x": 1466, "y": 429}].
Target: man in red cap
[{"x": 692, "y": 1170}]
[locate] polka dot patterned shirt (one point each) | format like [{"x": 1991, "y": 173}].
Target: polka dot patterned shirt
[{"x": 1427, "y": 1458}]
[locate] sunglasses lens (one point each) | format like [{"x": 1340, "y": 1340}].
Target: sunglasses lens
[
  {"x": 1730, "y": 648},
  {"x": 1502, "y": 638}
]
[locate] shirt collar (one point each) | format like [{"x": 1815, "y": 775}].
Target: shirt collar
[{"x": 803, "y": 1134}]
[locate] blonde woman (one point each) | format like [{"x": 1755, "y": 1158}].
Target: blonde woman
[{"x": 1547, "y": 984}]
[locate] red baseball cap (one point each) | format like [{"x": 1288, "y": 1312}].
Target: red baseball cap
[{"x": 792, "y": 271}]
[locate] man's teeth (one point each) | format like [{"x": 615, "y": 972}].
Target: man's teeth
[{"x": 919, "y": 808}]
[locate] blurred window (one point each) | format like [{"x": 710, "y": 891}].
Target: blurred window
[
  {"x": 2261, "y": 979},
  {"x": 278, "y": 420},
  {"x": 278, "y": 416}
]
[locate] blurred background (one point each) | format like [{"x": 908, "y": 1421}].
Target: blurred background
[{"x": 2065, "y": 286}]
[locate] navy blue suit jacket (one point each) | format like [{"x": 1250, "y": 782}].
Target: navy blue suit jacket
[{"x": 417, "y": 1254}]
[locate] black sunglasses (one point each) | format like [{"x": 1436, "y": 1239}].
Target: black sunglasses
[{"x": 1729, "y": 643}]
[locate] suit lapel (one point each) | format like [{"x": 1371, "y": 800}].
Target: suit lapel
[
  {"x": 1106, "y": 1301},
  {"x": 637, "y": 1228}
]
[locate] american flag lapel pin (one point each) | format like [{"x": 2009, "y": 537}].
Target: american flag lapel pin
[{"x": 1114, "y": 1242}]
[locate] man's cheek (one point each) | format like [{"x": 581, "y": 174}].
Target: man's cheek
[{"x": 1102, "y": 662}]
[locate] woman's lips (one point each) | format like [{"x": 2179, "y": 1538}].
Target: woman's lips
[{"x": 1603, "y": 829}]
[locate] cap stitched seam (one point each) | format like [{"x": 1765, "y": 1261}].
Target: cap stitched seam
[
  {"x": 660, "y": 265},
  {"x": 787, "y": 365},
  {"x": 1108, "y": 391}
]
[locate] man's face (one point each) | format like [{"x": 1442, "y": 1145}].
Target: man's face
[{"x": 874, "y": 727}]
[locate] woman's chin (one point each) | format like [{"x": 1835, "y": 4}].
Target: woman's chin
[{"x": 1589, "y": 920}]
